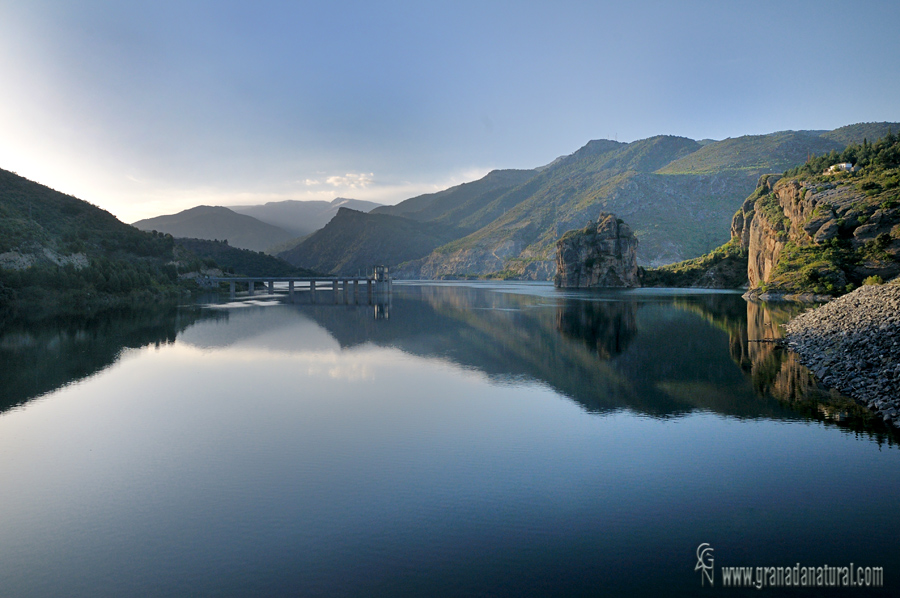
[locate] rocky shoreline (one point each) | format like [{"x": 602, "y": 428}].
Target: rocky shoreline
[{"x": 853, "y": 344}]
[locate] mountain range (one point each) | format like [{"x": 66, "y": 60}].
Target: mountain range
[
  {"x": 301, "y": 218},
  {"x": 257, "y": 227},
  {"x": 678, "y": 195}
]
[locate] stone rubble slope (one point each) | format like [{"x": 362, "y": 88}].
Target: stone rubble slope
[{"x": 853, "y": 344}]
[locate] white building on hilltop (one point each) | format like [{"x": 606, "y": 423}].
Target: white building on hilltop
[{"x": 842, "y": 167}]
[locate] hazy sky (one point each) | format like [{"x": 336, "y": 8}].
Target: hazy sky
[{"x": 146, "y": 108}]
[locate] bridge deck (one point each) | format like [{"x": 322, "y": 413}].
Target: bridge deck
[{"x": 338, "y": 284}]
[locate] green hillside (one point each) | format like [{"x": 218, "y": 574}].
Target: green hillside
[
  {"x": 61, "y": 254},
  {"x": 242, "y": 262},
  {"x": 649, "y": 155},
  {"x": 678, "y": 196},
  {"x": 673, "y": 216},
  {"x": 837, "y": 231},
  {"x": 758, "y": 153},
  {"x": 456, "y": 205},
  {"x": 815, "y": 233},
  {"x": 354, "y": 241},
  {"x": 587, "y": 174},
  {"x": 301, "y": 218},
  {"x": 404, "y": 232},
  {"x": 861, "y": 132},
  {"x": 723, "y": 268}
]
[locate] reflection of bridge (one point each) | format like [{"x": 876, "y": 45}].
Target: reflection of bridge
[{"x": 376, "y": 287}]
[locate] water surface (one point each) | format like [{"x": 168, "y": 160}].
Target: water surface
[{"x": 466, "y": 439}]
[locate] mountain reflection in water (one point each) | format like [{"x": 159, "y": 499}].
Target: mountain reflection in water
[
  {"x": 658, "y": 354},
  {"x": 39, "y": 357},
  {"x": 661, "y": 354}
]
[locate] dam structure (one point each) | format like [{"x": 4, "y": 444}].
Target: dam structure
[{"x": 343, "y": 289}]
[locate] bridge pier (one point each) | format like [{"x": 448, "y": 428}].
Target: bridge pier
[
  {"x": 382, "y": 311},
  {"x": 231, "y": 286},
  {"x": 291, "y": 291},
  {"x": 271, "y": 287},
  {"x": 334, "y": 289},
  {"x": 252, "y": 284}
]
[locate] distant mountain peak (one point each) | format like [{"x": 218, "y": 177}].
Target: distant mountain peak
[
  {"x": 301, "y": 218},
  {"x": 340, "y": 201},
  {"x": 600, "y": 146},
  {"x": 344, "y": 211},
  {"x": 218, "y": 222},
  {"x": 205, "y": 208}
]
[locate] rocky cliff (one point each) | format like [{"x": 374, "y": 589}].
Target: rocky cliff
[
  {"x": 763, "y": 238},
  {"x": 822, "y": 237},
  {"x": 603, "y": 254}
]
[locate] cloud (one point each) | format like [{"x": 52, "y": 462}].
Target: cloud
[
  {"x": 359, "y": 180},
  {"x": 311, "y": 182}
]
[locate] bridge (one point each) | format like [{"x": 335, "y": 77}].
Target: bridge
[{"x": 346, "y": 287}]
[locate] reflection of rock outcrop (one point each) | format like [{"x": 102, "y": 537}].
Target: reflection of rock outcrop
[
  {"x": 772, "y": 369},
  {"x": 42, "y": 357},
  {"x": 751, "y": 337},
  {"x": 776, "y": 371},
  {"x": 654, "y": 354},
  {"x": 606, "y": 353},
  {"x": 506, "y": 336},
  {"x": 605, "y": 327}
]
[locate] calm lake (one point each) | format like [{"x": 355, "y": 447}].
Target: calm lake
[{"x": 463, "y": 440}]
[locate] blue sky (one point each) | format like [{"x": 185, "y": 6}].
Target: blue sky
[{"x": 153, "y": 107}]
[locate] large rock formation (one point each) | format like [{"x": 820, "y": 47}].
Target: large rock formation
[
  {"x": 761, "y": 237},
  {"x": 603, "y": 254},
  {"x": 816, "y": 237}
]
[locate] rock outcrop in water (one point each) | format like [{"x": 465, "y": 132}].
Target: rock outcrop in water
[{"x": 603, "y": 254}]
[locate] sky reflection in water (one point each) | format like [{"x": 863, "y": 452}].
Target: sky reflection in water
[{"x": 514, "y": 443}]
